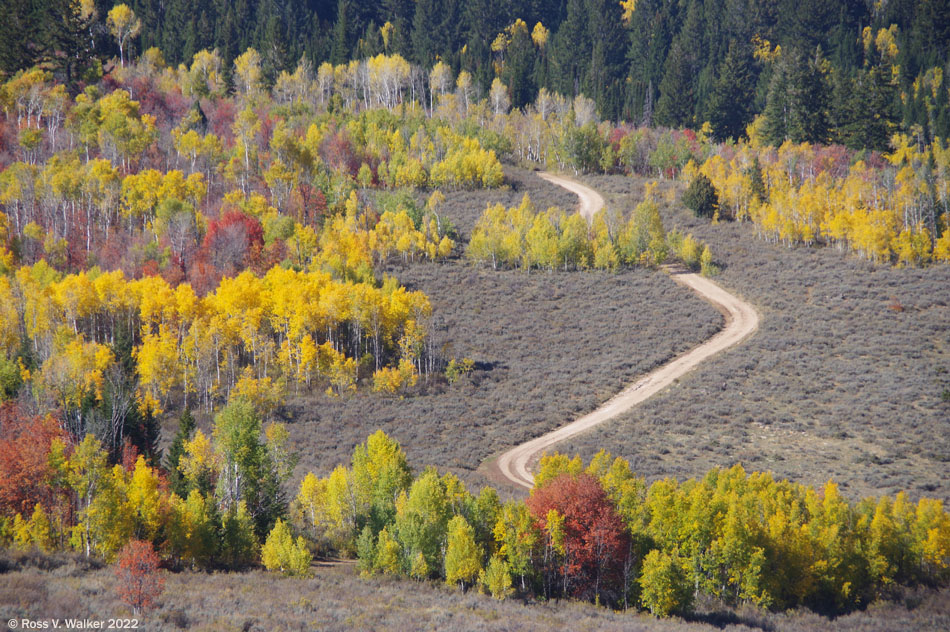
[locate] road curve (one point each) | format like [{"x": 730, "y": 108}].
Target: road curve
[
  {"x": 741, "y": 321},
  {"x": 591, "y": 200}
]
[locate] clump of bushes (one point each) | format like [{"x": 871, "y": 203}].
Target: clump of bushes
[{"x": 522, "y": 237}]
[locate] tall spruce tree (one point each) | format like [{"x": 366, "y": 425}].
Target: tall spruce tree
[
  {"x": 186, "y": 427},
  {"x": 733, "y": 99},
  {"x": 604, "y": 81},
  {"x": 650, "y": 30},
  {"x": 400, "y": 14},
  {"x": 342, "y": 42},
  {"x": 677, "y": 100},
  {"x": 569, "y": 64},
  {"x": 798, "y": 100},
  {"x": 425, "y": 23},
  {"x": 518, "y": 72}
]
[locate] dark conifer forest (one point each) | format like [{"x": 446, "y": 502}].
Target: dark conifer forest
[{"x": 848, "y": 72}]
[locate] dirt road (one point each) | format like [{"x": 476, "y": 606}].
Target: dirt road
[
  {"x": 741, "y": 321},
  {"x": 591, "y": 200}
]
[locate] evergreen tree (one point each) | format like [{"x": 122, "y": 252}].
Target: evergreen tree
[
  {"x": 186, "y": 426},
  {"x": 177, "y": 33},
  {"x": 866, "y": 121},
  {"x": 733, "y": 99},
  {"x": 519, "y": 69},
  {"x": 679, "y": 89},
  {"x": 342, "y": 33},
  {"x": 700, "y": 197},
  {"x": 226, "y": 36},
  {"x": 481, "y": 21},
  {"x": 605, "y": 79},
  {"x": 248, "y": 473},
  {"x": 145, "y": 433},
  {"x": 400, "y": 14},
  {"x": 569, "y": 65},
  {"x": 371, "y": 44},
  {"x": 17, "y": 29},
  {"x": 677, "y": 100},
  {"x": 798, "y": 101},
  {"x": 650, "y": 37},
  {"x": 424, "y": 24},
  {"x": 66, "y": 39},
  {"x": 276, "y": 42}
]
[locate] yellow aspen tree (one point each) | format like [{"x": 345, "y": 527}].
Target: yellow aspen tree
[
  {"x": 281, "y": 553},
  {"x": 463, "y": 559},
  {"x": 124, "y": 26},
  {"x": 247, "y": 72}
]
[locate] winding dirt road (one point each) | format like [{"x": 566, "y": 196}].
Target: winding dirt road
[
  {"x": 591, "y": 200},
  {"x": 741, "y": 321}
]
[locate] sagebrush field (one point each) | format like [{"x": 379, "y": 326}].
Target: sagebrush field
[
  {"x": 337, "y": 599},
  {"x": 547, "y": 347},
  {"x": 845, "y": 379}
]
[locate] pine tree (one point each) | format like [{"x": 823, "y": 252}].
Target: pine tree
[
  {"x": 518, "y": 73},
  {"x": 604, "y": 80},
  {"x": 424, "y": 24},
  {"x": 650, "y": 38},
  {"x": 864, "y": 112},
  {"x": 481, "y": 21},
  {"x": 177, "y": 43},
  {"x": 797, "y": 106},
  {"x": 17, "y": 29},
  {"x": 66, "y": 40},
  {"x": 680, "y": 89},
  {"x": 186, "y": 426},
  {"x": 732, "y": 104},
  {"x": 569, "y": 67},
  {"x": 677, "y": 101},
  {"x": 342, "y": 33},
  {"x": 700, "y": 197},
  {"x": 400, "y": 14}
]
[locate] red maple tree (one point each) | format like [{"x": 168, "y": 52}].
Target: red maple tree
[
  {"x": 140, "y": 582},
  {"x": 25, "y": 469},
  {"x": 595, "y": 541}
]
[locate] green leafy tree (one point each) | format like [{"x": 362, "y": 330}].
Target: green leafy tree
[
  {"x": 388, "y": 554},
  {"x": 517, "y": 536},
  {"x": 192, "y": 530},
  {"x": 379, "y": 474},
  {"x": 421, "y": 519},
  {"x": 583, "y": 147},
  {"x": 239, "y": 543},
  {"x": 247, "y": 472},
  {"x": 665, "y": 588},
  {"x": 496, "y": 578},
  {"x": 463, "y": 558}
]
